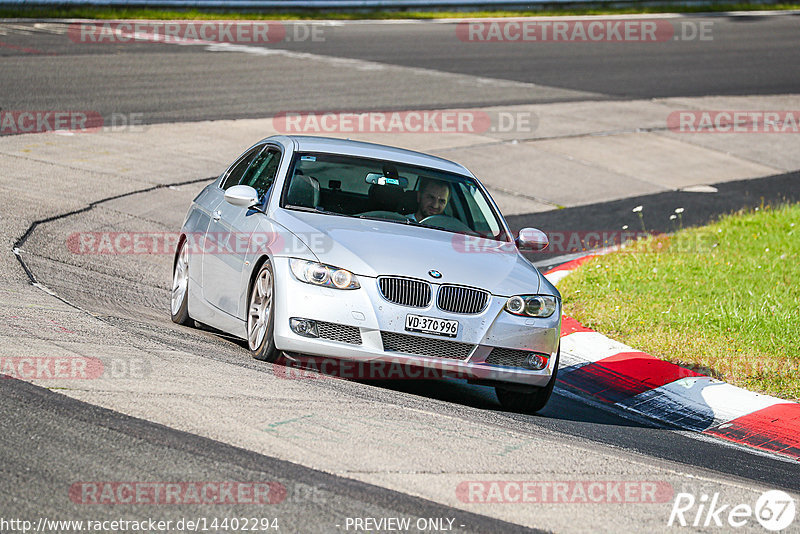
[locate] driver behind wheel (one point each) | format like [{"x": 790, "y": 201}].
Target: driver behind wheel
[{"x": 432, "y": 198}]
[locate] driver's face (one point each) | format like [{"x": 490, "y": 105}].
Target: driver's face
[{"x": 433, "y": 200}]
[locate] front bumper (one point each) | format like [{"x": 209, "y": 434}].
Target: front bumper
[{"x": 367, "y": 322}]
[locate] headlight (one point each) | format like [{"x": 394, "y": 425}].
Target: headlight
[
  {"x": 320, "y": 274},
  {"x": 532, "y": 305}
]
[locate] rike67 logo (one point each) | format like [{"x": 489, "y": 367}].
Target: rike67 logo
[{"x": 774, "y": 509}]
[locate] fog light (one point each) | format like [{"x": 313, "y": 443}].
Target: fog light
[
  {"x": 303, "y": 327},
  {"x": 536, "y": 361}
]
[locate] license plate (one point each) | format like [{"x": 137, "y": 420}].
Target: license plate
[{"x": 431, "y": 325}]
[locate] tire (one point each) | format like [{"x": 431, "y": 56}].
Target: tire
[
  {"x": 179, "y": 299},
  {"x": 528, "y": 401},
  {"x": 261, "y": 315}
]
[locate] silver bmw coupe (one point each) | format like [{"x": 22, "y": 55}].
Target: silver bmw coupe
[{"x": 361, "y": 252}]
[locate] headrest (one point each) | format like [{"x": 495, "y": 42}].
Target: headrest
[
  {"x": 384, "y": 197},
  {"x": 303, "y": 191},
  {"x": 408, "y": 202}
]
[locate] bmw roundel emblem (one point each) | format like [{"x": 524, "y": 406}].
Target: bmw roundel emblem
[{"x": 434, "y": 273}]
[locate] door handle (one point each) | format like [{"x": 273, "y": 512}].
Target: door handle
[{"x": 217, "y": 215}]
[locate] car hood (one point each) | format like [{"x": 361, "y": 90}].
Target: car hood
[{"x": 374, "y": 248}]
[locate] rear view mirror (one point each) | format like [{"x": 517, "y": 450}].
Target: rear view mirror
[
  {"x": 376, "y": 178},
  {"x": 243, "y": 196},
  {"x": 532, "y": 239}
]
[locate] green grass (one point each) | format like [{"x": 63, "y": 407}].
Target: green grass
[
  {"x": 598, "y": 8},
  {"x": 723, "y": 299}
]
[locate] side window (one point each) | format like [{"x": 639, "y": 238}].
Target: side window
[
  {"x": 237, "y": 171},
  {"x": 262, "y": 172}
]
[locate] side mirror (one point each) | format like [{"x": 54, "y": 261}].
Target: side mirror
[
  {"x": 243, "y": 196},
  {"x": 532, "y": 239}
]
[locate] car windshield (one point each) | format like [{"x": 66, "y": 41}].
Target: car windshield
[{"x": 392, "y": 191}]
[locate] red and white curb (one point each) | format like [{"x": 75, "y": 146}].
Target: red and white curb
[{"x": 612, "y": 372}]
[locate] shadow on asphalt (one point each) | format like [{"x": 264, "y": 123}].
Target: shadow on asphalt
[
  {"x": 698, "y": 209},
  {"x": 459, "y": 392}
]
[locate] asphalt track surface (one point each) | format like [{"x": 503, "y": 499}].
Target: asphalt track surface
[
  {"x": 50, "y": 440},
  {"x": 746, "y": 55}
]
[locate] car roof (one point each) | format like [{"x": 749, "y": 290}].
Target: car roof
[{"x": 309, "y": 143}]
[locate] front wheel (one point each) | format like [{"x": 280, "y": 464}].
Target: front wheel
[
  {"x": 179, "y": 301},
  {"x": 528, "y": 401},
  {"x": 261, "y": 316}
]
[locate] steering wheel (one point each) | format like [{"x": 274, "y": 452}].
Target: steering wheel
[{"x": 448, "y": 223}]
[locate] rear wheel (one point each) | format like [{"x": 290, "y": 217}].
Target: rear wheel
[
  {"x": 528, "y": 401},
  {"x": 179, "y": 301},
  {"x": 261, "y": 316}
]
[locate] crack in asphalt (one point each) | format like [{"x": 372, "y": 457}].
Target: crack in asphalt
[{"x": 17, "y": 248}]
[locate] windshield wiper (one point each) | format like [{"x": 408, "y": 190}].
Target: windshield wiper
[
  {"x": 316, "y": 209},
  {"x": 387, "y": 219}
]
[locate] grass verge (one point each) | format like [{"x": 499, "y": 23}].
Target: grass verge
[
  {"x": 723, "y": 299},
  {"x": 106, "y": 13}
]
